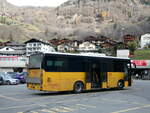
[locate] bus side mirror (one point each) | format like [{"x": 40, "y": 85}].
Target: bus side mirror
[{"x": 133, "y": 65}]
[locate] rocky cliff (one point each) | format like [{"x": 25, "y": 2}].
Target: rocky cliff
[{"x": 75, "y": 19}]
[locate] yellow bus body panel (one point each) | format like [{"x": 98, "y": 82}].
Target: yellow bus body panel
[
  {"x": 104, "y": 84},
  {"x": 35, "y": 73},
  {"x": 113, "y": 78},
  {"x": 88, "y": 86},
  {"x": 126, "y": 84},
  {"x": 34, "y": 86},
  {"x": 64, "y": 81},
  {"x": 61, "y": 81},
  {"x": 32, "y": 74}
]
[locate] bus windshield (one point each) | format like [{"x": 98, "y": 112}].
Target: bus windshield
[{"x": 35, "y": 61}]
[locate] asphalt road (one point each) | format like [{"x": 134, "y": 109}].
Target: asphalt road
[{"x": 18, "y": 99}]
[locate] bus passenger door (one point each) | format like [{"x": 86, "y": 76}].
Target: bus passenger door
[
  {"x": 93, "y": 74},
  {"x": 96, "y": 74},
  {"x": 88, "y": 71}
]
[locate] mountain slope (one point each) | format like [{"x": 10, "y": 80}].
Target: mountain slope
[
  {"x": 109, "y": 17},
  {"x": 75, "y": 19}
]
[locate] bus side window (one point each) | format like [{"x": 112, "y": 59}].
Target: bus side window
[
  {"x": 49, "y": 63},
  {"x": 75, "y": 65},
  {"x": 104, "y": 67},
  {"x": 59, "y": 64},
  {"x": 119, "y": 67}
]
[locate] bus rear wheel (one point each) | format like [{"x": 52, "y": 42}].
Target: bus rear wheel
[
  {"x": 78, "y": 87},
  {"x": 120, "y": 84}
]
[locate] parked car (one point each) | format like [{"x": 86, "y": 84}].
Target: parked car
[
  {"x": 7, "y": 79},
  {"x": 1, "y": 80},
  {"x": 24, "y": 76},
  {"x": 20, "y": 76}
]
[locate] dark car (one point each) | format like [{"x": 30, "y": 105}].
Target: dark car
[
  {"x": 1, "y": 80},
  {"x": 20, "y": 76}
]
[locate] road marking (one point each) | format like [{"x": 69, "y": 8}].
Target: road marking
[
  {"x": 25, "y": 106},
  {"x": 9, "y": 98},
  {"x": 73, "y": 100},
  {"x": 17, "y": 107},
  {"x": 89, "y": 106},
  {"x": 49, "y": 97},
  {"x": 122, "y": 101},
  {"x": 47, "y": 111},
  {"x": 34, "y": 112},
  {"x": 132, "y": 109},
  {"x": 60, "y": 110},
  {"x": 67, "y": 108},
  {"x": 10, "y": 94},
  {"x": 105, "y": 99}
]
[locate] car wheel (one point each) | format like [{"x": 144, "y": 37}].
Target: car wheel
[
  {"x": 8, "y": 83},
  {"x": 78, "y": 87}
]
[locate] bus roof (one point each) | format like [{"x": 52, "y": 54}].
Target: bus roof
[{"x": 97, "y": 55}]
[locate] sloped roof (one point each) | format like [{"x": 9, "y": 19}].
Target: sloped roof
[
  {"x": 13, "y": 44},
  {"x": 18, "y": 52},
  {"x": 36, "y": 40}
]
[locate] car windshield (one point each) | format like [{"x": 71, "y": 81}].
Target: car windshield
[
  {"x": 13, "y": 76},
  {"x": 8, "y": 77},
  {"x": 35, "y": 61}
]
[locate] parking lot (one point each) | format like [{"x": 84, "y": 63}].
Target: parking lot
[{"x": 18, "y": 99}]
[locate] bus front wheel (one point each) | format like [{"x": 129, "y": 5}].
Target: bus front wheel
[{"x": 78, "y": 87}]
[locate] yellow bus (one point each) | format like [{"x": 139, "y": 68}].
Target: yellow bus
[{"x": 77, "y": 72}]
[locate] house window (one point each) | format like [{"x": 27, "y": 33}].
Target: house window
[
  {"x": 39, "y": 44},
  {"x": 30, "y": 44}
]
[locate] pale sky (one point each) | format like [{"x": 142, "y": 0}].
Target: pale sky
[{"x": 52, "y": 3}]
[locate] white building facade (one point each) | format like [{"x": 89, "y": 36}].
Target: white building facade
[
  {"x": 145, "y": 40},
  {"x": 12, "y": 57},
  {"x": 35, "y": 45},
  {"x": 12, "y": 63},
  {"x": 87, "y": 46}
]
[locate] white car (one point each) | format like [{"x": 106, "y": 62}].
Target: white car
[{"x": 9, "y": 80}]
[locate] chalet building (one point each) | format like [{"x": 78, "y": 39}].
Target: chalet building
[
  {"x": 91, "y": 39},
  {"x": 65, "y": 48},
  {"x": 54, "y": 42},
  {"x": 57, "y": 42},
  {"x": 35, "y": 45},
  {"x": 12, "y": 49},
  {"x": 12, "y": 57},
  {"x": 64, "y": 45},
  {"x": 107, "y": 45},
  {"x": 145, "y": 40},
  {"x": 75, "y": 43},
  {"x": 94, "y": 40},
  {"x": 1, "y": 44},
  {"x": 87, "y": 47},
  {"x": 129, "y": 38}
]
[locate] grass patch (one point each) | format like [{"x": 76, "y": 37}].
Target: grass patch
[{"x": 142, "y": 54}]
